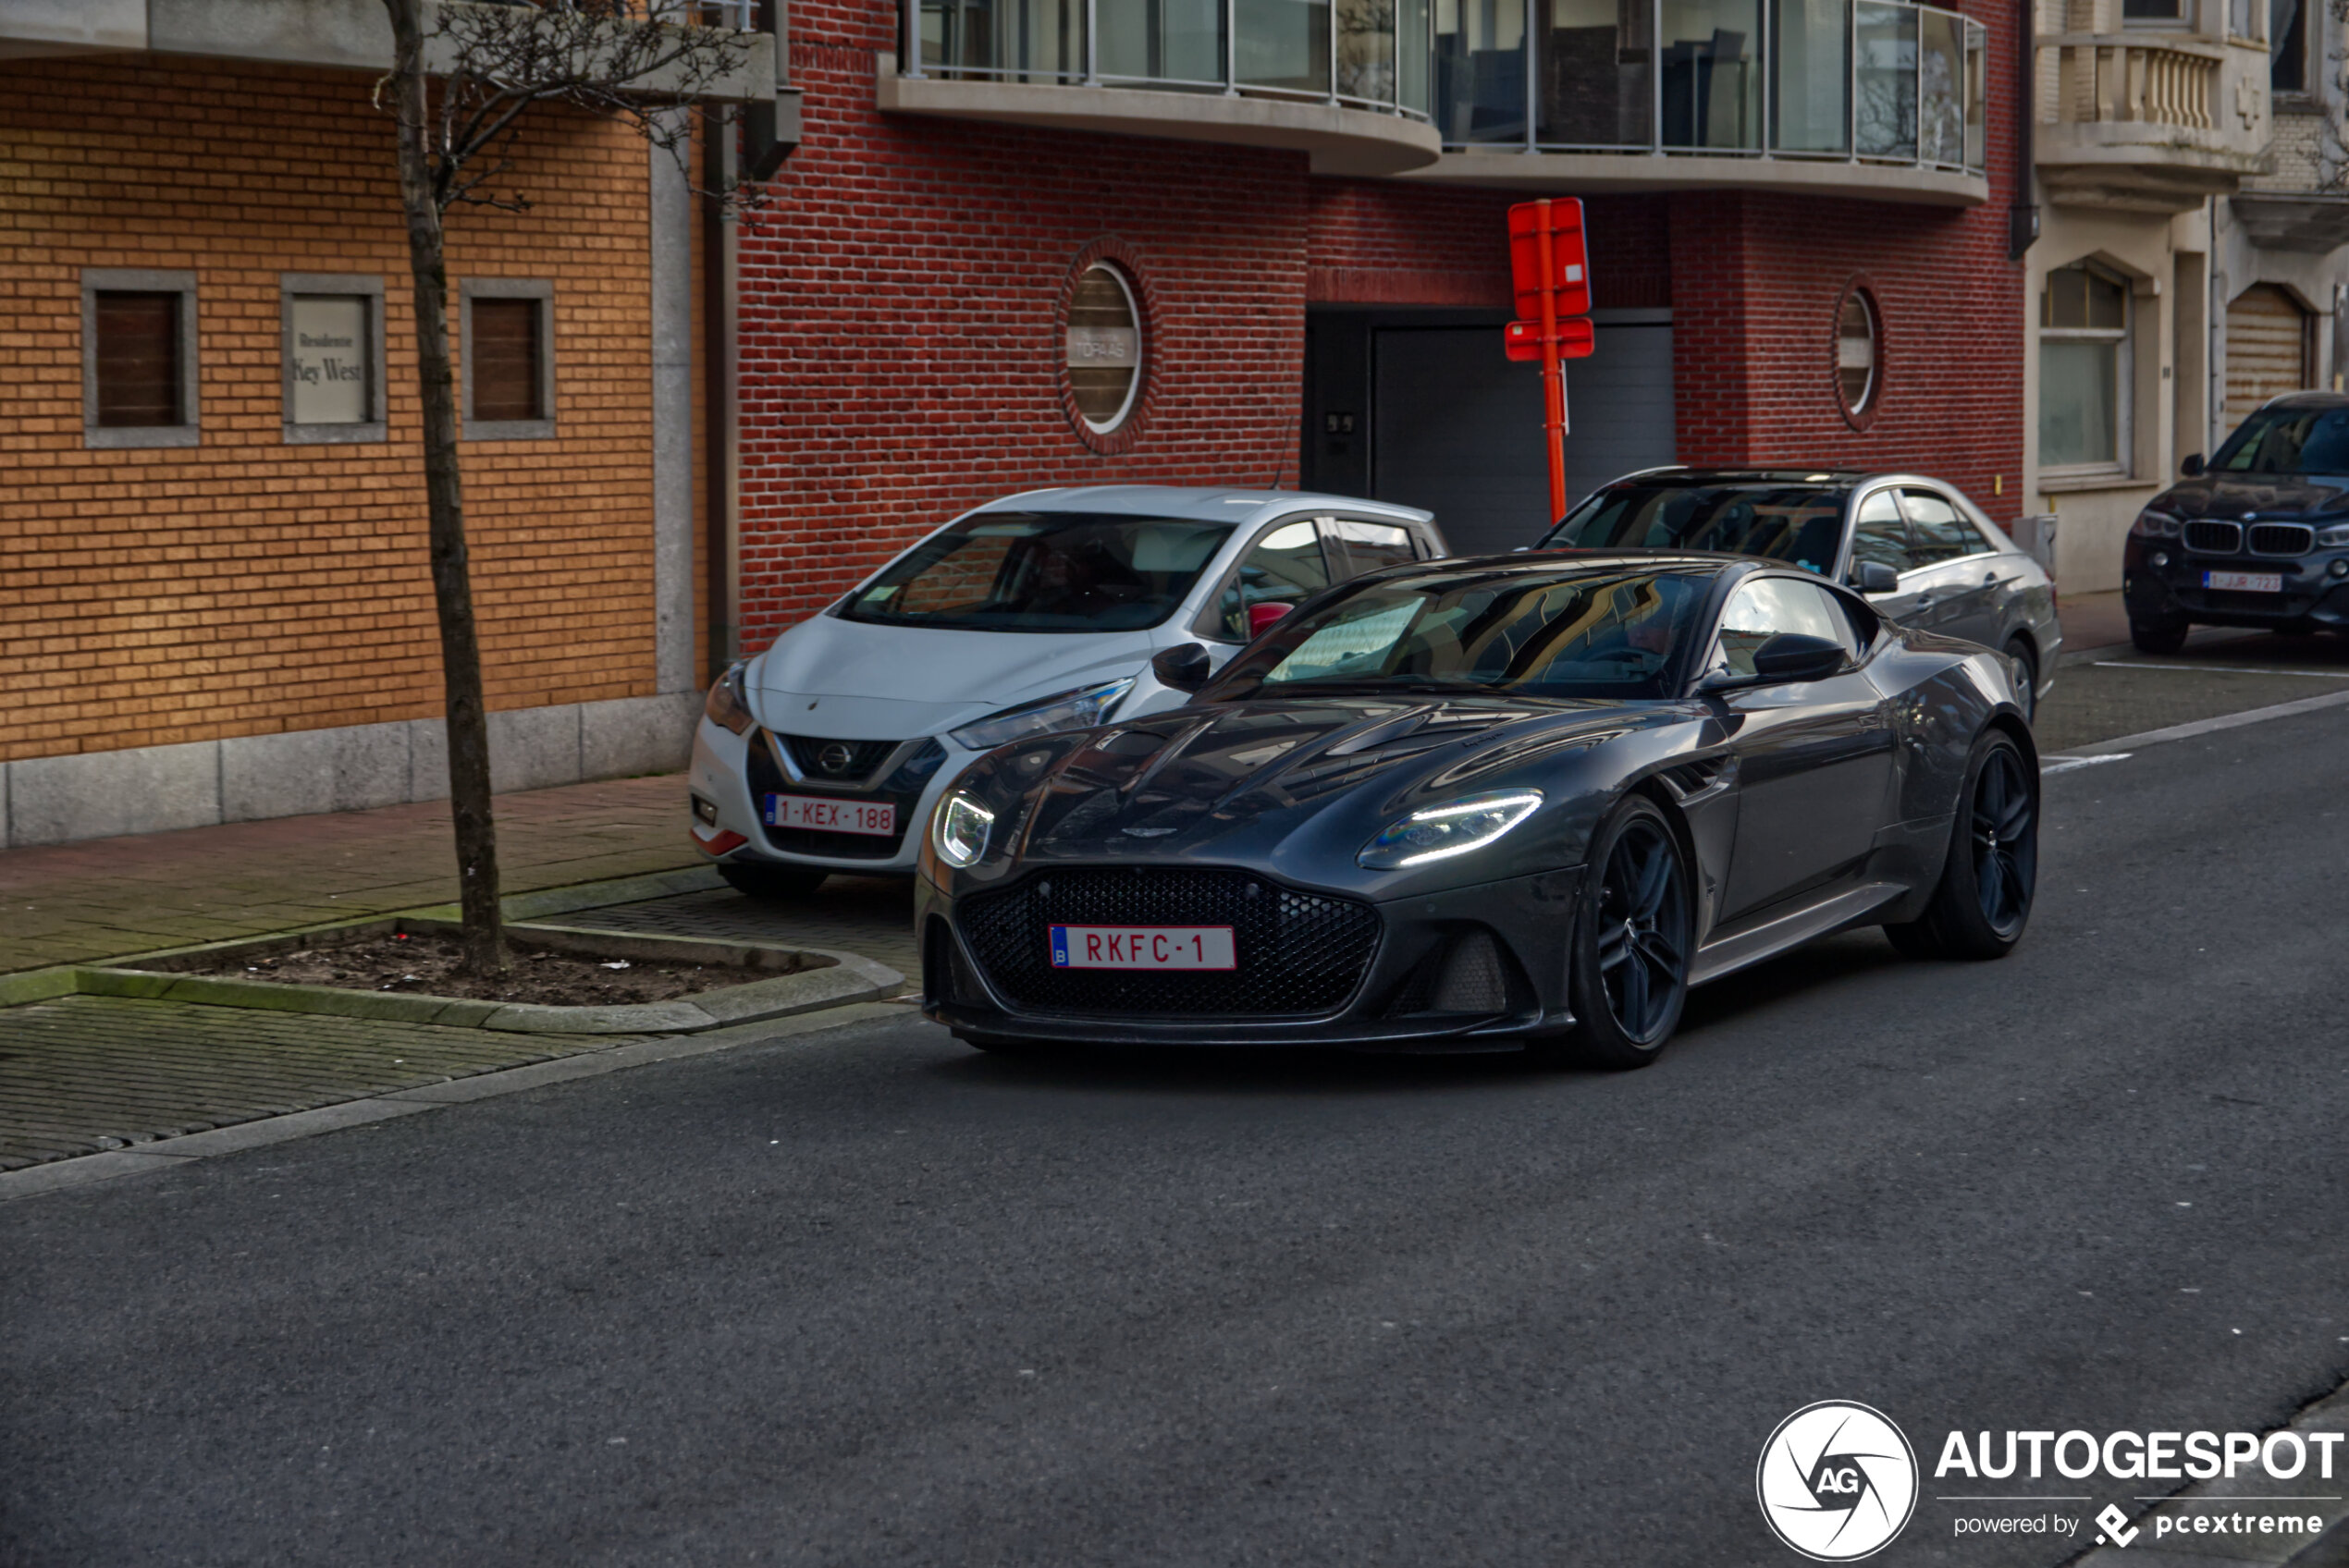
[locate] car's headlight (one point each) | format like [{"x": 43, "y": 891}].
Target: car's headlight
[
  {"x": 2335, "y": 536},
  {"x": 1440, "y": 832},
  {"x": 959, "y": 830},
  {"x": 1080, "y": 709},
  {"x": 729, "y": 703},
  {"x": 2156, "y": 525}
]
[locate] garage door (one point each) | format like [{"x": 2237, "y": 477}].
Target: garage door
[
  {"x": 2267, "y": 348},
  {"x": 1458, "y": 427}
]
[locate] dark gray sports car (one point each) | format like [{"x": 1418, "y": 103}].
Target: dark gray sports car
[{"x": 1485, "y": 804}]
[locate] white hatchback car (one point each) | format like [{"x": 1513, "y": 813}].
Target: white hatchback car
[{"x": 1035, "y": 613}]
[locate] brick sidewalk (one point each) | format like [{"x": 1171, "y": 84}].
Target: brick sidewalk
[{"x": 103, "y": 898}]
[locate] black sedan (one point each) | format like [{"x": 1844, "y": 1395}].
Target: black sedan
[
  {"x": 1518, "y": 801},
  {"x": 2260, "y": 537}
]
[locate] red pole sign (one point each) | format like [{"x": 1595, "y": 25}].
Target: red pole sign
[{"x": 1550, "y": 267}]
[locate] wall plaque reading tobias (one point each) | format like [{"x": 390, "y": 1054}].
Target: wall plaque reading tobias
[{"x": 331, "y": 380}]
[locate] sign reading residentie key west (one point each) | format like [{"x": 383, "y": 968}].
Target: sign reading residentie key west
[{"x": 1550, "y": 266}]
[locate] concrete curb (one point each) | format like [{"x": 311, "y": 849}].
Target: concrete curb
[{"x": 169, "y": 1154}]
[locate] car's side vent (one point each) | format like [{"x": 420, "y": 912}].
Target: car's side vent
[{"x": 1692, "y": 779}]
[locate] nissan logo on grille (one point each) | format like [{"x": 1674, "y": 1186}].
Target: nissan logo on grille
[{"x": 835, "y": 758}]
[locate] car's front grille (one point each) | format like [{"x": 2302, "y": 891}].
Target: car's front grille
[
  {"x": 901, "y": 789},
  {"x": 2214, "y": 538},
  {"x": 836, "y": 762},
  {"x": 2282, "y": 539},
  {"x": 1299, "y": 955}
]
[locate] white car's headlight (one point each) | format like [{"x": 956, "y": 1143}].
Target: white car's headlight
[
  {"x": 959, "y": 830},
  {"x": 1440, "y": 832},
  {"x": 1080, "y": 709},
  {"x": 729, "y": 702}
]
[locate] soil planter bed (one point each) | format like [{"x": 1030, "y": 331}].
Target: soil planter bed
[{"x": 561, "y": 981}]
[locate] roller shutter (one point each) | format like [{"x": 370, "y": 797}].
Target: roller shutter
[
  {"x": 1457, "y": 427},
  {"x": 2268, "y": 344}
]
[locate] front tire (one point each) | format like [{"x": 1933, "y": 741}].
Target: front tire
[
  {"x": 1634, "y": 935},
  {"x": 771, "y": 884},
  {"x": 1983, "y": 901},
  {"x": 2164, "y": 634}
]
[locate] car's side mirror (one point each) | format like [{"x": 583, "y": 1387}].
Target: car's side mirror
[
  {"x": 1261, "y": 616},
  {"x": 1873, "y": 576},
  {"x": 2190, "y": 466},
  {"x": 1791, "y": 655},
  {"x": 1184, "y": 668}
]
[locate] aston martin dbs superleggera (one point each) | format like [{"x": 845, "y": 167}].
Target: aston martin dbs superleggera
[{"x": 1513, "y": 801}]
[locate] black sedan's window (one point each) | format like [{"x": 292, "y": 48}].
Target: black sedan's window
[
  {"x": 1800, "y": 525},
  {"x": 2288, "y": 440},
  {"x": 1615, "y": 635}
]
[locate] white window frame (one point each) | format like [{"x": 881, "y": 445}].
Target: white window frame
[
  {"x": 1116, "y": 421},
  {"x": 2122, "y": 464},
  {"x": 542, "y": 290},
  {"x": 344, "y": 286},
  {"x": 140, "y": 280}
]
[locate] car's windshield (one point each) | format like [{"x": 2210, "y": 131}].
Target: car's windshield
[
  {"x": 2288, "y": 440},
  {"x": 1526, "y": 633},
  {"x": 1042, "y": 572},
  {"x": 1799, "y": 523}
]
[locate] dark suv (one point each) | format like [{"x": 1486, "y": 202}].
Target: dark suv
[{"x": 2259, "y": 537}]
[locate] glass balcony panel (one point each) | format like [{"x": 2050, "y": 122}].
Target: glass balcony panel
[
  {"x": 1480, "y": 70},
  {"x": 1941, "y": 88},
  {"x": 1596, "y": 58},
  {"x": 1366, "y": 50},
  {"x": 1412, "y": 61},
  {"x": 1711, "y": 74},
  {"x": 1284, "y": 45},
  {"x": 1814, "y": 56},
  {"x": 1179, "y": 41},
  {"x": 1886, "y": 118},
  {"x": 1977, "y": 96},
  {"x": 1005, "y": 40}
]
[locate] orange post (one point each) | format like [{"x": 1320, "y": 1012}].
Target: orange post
[{"x": 1552, "y": 367}]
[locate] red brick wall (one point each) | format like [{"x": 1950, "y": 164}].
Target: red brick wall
[
  {"x": 900, "y": 359},
  {"x": 1757, "y": 279},
  {"x": 1380, "y": 242}
]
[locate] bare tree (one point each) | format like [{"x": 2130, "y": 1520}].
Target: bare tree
[{"x": 464, "y": 75}]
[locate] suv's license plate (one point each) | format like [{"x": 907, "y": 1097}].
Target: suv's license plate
[
  {"x": 2245, "y": 581},
  {"x": 877, "y": 819},
  {"x": 1143, "y": 947}
]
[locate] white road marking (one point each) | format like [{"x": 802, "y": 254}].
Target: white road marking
[
  {"x": 2208, "y": 726},
  {"x": 2227, "y": 669},
  {"x": 2053, "y": 763}
]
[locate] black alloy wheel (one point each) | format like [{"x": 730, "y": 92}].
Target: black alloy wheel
[
  {"x": 1983, "y": 901},
  {"x": 2026, "y": 677},
  {"x": 1634, "y": 939}
]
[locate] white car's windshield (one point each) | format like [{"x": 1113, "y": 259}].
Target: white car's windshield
[{"x": 1042, "y": 572}]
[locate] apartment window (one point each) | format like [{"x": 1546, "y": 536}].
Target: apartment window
[
  {"x": 332, "y": 356},
  {"x": 2083, "y": 369},
  {"x": 138, "y": 357},
  {"x": 2288, "y": 46},
  {"x": 508, "y": 354},
  {"x": 1856, "y": 334},
  {"x": 2156, "y": 13}
]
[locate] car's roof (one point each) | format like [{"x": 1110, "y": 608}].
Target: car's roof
[
  {"x": 1674, "y": 474},
  {"x": 1572, "y": 561},
  {"x": 2307, "y": 400},
  {"x": 1200, "y": 503}
]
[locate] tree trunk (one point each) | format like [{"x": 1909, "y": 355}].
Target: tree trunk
[{"x": 468, "y": 719}]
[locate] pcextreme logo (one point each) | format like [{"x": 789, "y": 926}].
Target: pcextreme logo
[{"x": 1837, "y": 1481}]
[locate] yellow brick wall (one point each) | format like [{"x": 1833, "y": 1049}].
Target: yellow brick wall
[{"x": 246, "y": 586}]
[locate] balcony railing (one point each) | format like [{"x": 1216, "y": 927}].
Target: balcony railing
[
  {"x": 1823, "y": 79},
  {"x": 1352, "y": 53},
  {"x": 2104, "y": 78}
]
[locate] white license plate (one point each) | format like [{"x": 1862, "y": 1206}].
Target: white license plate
[
  {"x": 2245, "y": 581},
  {"x": 875, "y": 818},
  {"x": 1143, "y": 947}
]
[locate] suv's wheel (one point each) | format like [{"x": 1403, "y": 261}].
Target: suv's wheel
[
  {"x": 2158, "y": 634},
  {"x": 1634, "y": 934},
  {"x": 773, "y": 884},
  {"x": 1983, "y": 901},
  {"x": 2026, "y": 676}
]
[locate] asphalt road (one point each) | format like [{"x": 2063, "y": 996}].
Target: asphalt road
[{"x": 867, "y": 1297}]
